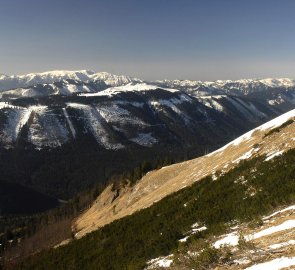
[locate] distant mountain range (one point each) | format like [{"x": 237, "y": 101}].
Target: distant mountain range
[
  {"x": 68, "y": 82},
  {"x": 32, "y": 79}
]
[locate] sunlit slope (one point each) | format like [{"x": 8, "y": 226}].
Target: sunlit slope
[{"x": 270, "y": 139}]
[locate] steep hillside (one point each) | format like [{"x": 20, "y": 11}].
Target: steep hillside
[
  {"x": 186, "y": 229},
  {"x": 267, "y": 139}
]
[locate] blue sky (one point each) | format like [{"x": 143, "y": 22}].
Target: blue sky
[{"x": 150, "y": 39}]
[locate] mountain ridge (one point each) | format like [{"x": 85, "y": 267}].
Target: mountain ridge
[{"x": 9, "y": 82}]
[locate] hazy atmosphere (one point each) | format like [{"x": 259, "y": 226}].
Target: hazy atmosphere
[{"x": 154, "y": 39}]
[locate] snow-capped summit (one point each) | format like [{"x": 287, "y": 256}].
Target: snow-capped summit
[
  {"x": 32, "y": 79},
  {"x": 54, "y": 76},
  {"x": 114, "y": 80},
  {"x": 21, "y": 81}
]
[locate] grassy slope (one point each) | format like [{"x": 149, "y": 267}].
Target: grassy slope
[{"x": 128, "y": 243}]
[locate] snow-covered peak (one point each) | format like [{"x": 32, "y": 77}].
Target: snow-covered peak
[
  {"x": 28, "y": 80},
  {"x": 114, "y": 80},
  {"x": 56, "y": 75},
  {"x": 21, "y": 81}
]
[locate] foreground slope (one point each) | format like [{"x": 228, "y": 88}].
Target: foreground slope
[
  {"x": 190, "y": 222},
  {"x": 115, "y": 204}
]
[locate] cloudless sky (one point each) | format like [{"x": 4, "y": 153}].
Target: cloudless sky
[{"x": 150, "y": 39}]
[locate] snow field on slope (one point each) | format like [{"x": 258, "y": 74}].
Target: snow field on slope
[
  {"x": 16, "y": 119},
  {"x": 281, "y": 245},
  {"x": 210, "y": 102},
  {"x": 273, "y": 155},
  {"x": 289, "y": 208},
  {"x": 232, "y": 239},
  {"x": 163, "y": 262},
  {"x": 274, "y": 264},
  {"x": 94, "y": 121},
  {"x": 163, "y": 104},
  {"x": 114, "y": 113},
  {"x": 46, "y": 129},
  {"x": 73, "y": 131},
  {"x": 144, "y": 139}
]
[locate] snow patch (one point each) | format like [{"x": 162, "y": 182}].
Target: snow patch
[
  {"x": 247, "y": 155},
  {"x": 275, "y": 264},
  {"x": 274, "y": 154},
  {"x": 94, "y": 121},
  {"x": 289, "y": 208},
  {"x": 144, "y": 139},
  {"x": 242, "y": 261},
  {"x": 164, "y": 262},
  {"x": 46, "y": 129},
  {"x": 280, "y": 245},
  {"x": 69, "y": 122},
  {"x": 232, "y": 239}
]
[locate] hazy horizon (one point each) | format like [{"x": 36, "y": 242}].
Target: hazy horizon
[{"x": 156, "y": 39}]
